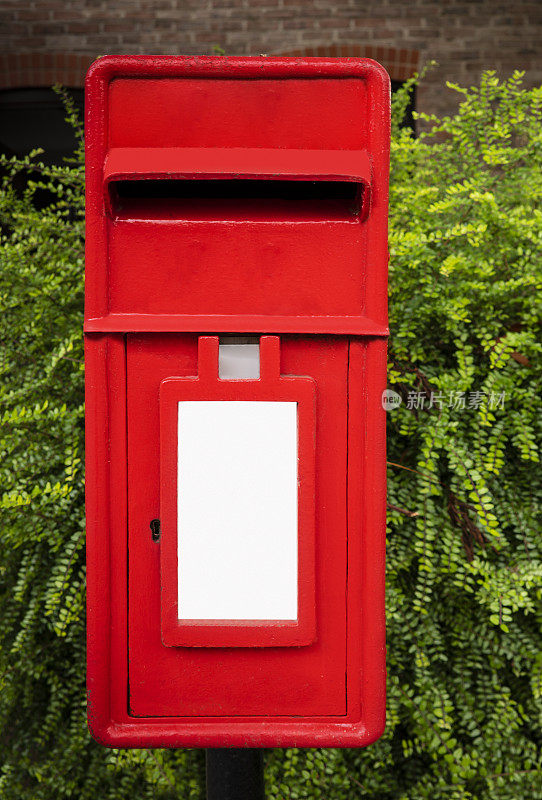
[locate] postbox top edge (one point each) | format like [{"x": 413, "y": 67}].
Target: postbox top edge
[{"x": 109, "y": 67}]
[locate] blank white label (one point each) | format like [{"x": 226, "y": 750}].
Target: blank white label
[
  {"x": 237, "y": 510},
  {"x": 239, "y": 361}
]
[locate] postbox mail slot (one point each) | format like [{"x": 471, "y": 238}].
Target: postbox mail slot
[
  {"x": 232, "y": 256},
  {"x": 236, "y": 199},
  {"x": 223, "y": 183}
]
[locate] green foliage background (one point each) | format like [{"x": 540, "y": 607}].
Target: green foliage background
[{"x": 464, "y": 568}]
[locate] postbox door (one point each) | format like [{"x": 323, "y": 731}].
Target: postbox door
[
  {"x": 213, "y": 681},
  {"x": 237, "y": 504}
]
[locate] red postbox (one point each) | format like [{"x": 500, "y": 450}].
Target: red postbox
[{"x": 235, "y": 328}]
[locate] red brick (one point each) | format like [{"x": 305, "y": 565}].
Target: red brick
[
  {"x": 28, "y": 14},
  {"x": 45, "y": 28},
  {"x": 65, "y": 15},
  {"x": 19, "y": 43},
  {"x": 78, "y": 26},
  {"x": 119, "y": 27},
  {"x": 74, "y": 79}
]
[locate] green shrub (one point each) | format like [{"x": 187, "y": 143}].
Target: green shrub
[{"x": 464, "y": 568}]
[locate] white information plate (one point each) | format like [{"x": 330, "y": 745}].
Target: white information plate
[{"x": 237, "y": 510}]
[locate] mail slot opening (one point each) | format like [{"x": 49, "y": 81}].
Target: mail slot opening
[{"x": 227, "y": 198}]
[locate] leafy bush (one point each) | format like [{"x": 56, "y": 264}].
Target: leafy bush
[{"x": 464, "y": 568}]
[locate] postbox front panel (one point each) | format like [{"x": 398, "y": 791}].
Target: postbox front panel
[
  {"x": 247, "y": 198},
  {"x": 269, "y": 234},
  {"x": 276, "y": 681}
]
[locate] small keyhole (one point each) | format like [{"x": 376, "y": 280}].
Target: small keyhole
[{"x": 155, "y": 529}]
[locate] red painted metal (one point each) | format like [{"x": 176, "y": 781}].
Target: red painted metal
[
  {"x": 270, "y": 387},
  {"x": 229, "y": 323},
  {"x": 134, "y": 163},
  {"x": 163, "y": 271},
  {"x": 294, "y": 681}
]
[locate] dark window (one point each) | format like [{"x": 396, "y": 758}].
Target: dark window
[
  {"x": 31, "y": 118},
  {"x": 408, "y": 120}
]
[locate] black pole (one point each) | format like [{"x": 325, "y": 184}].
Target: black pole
[{"x": 234, "y": 774}]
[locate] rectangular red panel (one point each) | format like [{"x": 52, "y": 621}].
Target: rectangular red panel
[
  {"x": 271, "y": 681},
  {"x": 272, "y": 258},
  {"x": 207, "y": 387},
  {"x": 135, "y": 163},
  {"x": 276, "y": 272},
  {"x": 309, "y": 113}
]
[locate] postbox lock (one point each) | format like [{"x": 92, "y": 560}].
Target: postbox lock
[{"x": 155, "y": 529}]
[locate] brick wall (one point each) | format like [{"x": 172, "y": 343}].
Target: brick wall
[{"x": 47, "y": 40}]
